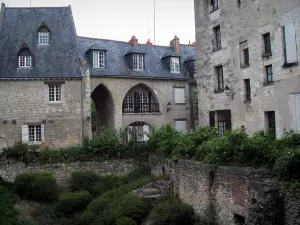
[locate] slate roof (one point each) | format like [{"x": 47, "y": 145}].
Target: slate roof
[
  {"x": 116, "y": 65},
  {"x": 59, "y": 59}
]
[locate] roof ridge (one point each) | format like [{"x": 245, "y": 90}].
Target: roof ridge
[{"x": 42, "y": 7}]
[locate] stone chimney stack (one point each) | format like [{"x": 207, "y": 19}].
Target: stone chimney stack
[
  {"x": 149, "y": 42},
  {"x": 175, "y": 44},
  {"x": 134, "y": 41}
]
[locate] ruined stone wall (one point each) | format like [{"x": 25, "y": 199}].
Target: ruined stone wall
[
  {"x": 62, "y": 171},
  {"x": 247, "y": 21},
  {"x": 292, "y": 208}
]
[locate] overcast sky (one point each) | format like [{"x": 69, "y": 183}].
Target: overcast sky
[{"x": 120, "y": 19}]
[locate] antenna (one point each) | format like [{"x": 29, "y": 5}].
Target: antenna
[
  {"x": 30, "y": 3},
  {"x": 154, "y": 22}
]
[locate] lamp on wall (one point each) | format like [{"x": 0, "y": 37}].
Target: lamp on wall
[
  {"x": 228, "y": 92},
  {"x": 169, "y": 106}
]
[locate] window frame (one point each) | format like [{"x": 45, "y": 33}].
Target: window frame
[
  {"x": 177, "y": 101},
  {"x": 269, "y": 74},
  {"x": 174, "y": 65},
  {"x": 44, "y": 34},
  {"x": 98, "y": 56},
  {"x": 217, "y": 38},
  {"x": 246, "y": 57},
  {"x": 54, "y": 93},
  {"x": 220, "y": 78},
  {"x": 181, "y": 121},
  {"x": 267, "y": 44},
  {"x": 27, "y": 63},
  {"x": 213, "y": 5},
  {"x": 247, "y": 86},
  {"x": 37, "y": 136},
  {"x": 138, "y": 62}
]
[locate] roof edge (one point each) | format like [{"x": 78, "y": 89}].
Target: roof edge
[{"x": 2, "y": 14}]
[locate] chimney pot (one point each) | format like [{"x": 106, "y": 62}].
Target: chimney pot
[
  {"x": 134, "y": 41},
  {"x": 175, "y": 44},
  {"x": 149, "y": 42}
]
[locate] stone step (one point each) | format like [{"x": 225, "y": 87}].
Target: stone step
[
  {"x": 150, "y": 191},
  {"x": 155, "y": 197}
]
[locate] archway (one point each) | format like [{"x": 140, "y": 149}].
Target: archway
[
  {"x": 105, "y": 109},
  {"x": 140, "y": 99},
  {"x": 138, "y": 131},
  {"x": 3, "y": 143}
]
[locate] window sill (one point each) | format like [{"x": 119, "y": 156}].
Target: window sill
[
  {"x": 99, "y": 68},
  {"x": 288, "y": 65},
  {"x": 58, "y": 102},
  {"x": 136, "y": 114},
  {"x": 266, "y": 54},
  {"x": 40, "y": 44},
  {"x": 247, "y": 101},
  {"x": 175, "y": 72},
  {"x": 217, "y": 49},
  {"x": 245, "y": 66},
  {"x": 213, "y": 10},
  {"x": 218, "y": 91},
  {"x": 35, "y": 143},
  {"x": 21, "y": 68},
  {"x": 268, "y": 83},
  {"x": 179, "y": 103}
]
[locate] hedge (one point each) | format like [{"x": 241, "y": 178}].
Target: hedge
[
  {"x": 84, "y": 180},
  {"x": 36, "y": 186},
  {"x": 8, "y": 215},
  {"x": 125, "y": 221},
  {"x": 73, "y": 202}
]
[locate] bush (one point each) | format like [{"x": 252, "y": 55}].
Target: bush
[
  {"x": 8, "y": 215},
  {"x": 139, "y": 173},
  {"x": 84, "y": 180},
  {"x": 107, "y": 183},
  {"x": 73, "y": 202},
  {"x": 36, "y": 186},
  {"x": 173, "y": 212},
  {"x": 125, "y": 221}
]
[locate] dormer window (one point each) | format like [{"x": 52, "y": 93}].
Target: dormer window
[
  {"x": 174, "y": 67},
  {"x": 25, "y": 61},
  {"x": 43, "y": 34},
  {"x": 138, "y": 62},
  {"x": 98, "y": 59},
  {"x": 24, "y": 57}
]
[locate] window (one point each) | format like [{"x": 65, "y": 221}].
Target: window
[
  {"x": 144, "y": 104},
  {"x": 99, "y": 59},
  {"x": 290, "y": 47},
  {"x": 214, "y": 5},
  {"x": 269, "y": 74},
  {"x": 138, "y": 132},
  {"x": 247, "y": 87},
  {"x": 217, "y": 38},
  {"x": 270, "y": 122},
  {"x": 24, "y": 61},
  {"x": 44, "y": 37},
  {"x": 267, "y": 44},
  {"x": 35, "y": 133},
  {"x": 179, "y": 95},
  {"x": 175, "y": 65},
  {"x": 180, "y": 125},
  {"x": 54, "y": 92},
  {"x": 244, "y": 54},
  {"x": 220, "y": 78},
  {"x": 223, "y": 121},
  {"x": 128, "y": 105},
  {"x": 138, "y": 62}
]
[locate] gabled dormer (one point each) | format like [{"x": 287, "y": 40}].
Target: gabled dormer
[
  {"x": 43, "y": 34},
  {"x": 25, "y": 57},
  {"x": 171, "y": 58},
  {"x": 135, "y": 55},
  {"x": 96, "y": 55}
]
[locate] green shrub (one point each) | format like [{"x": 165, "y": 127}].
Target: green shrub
[
  {"x": 8, "y": 215},
  {"x": 18, "y": 151},
  {"x": 139, "y": 173},
  {"x": 125, "y": 221},
  {"x": 84, "y": 180},
  {"x": 73, "y": 202},
  {"x": 173, "y": 212},
  {"x": 36, "y": 186},
  {"x": 107, "y": 183}
]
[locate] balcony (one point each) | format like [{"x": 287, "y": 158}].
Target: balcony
[{"x": 140, "y": 108}]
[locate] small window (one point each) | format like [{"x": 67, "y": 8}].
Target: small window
[
  {"x": 98, "y": 59},
  {"x": 267, "y": 44},
  {"x": 179, "y": 94},
  {"x": 54, "y": 92},
  {"x": 269, "y": 74},
  {"x": 44, "y": 38},
  {"x": 244, "y": 54},
  {"x": 219, "y": 78},
  {"x": 217, "y": 38},
  {"x": 180, "y": 125},
  {"x": 174, "y": 65},
  {"x": 214, "y": 5},
  {"x": 25, "y": 61},
  {"x": 290, "y": 46},
  {"x": 247, "y": 87},
  {"x": 35, "y": 133},
  {"x": 138, "y": 62},
  {"x": 223, "y": 121}
]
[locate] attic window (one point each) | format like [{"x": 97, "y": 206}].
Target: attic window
[
  {"x": 44, "y": 34},
  {"x": 98, "y": 59},
  {"x": 138, "y": 62},
  {"x": 174, "y": 67},
  {"x": 24, "y": 57},
  {"x": 24, "y": 61}
]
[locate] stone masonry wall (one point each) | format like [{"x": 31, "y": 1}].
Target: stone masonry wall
[
  {"x": 62, "y": 171},
  {"x": 292, "y": 208}
]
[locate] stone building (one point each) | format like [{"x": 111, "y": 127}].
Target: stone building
[
  {"x": 247, "y": 62},
  {"x": 48, "y": 77}
]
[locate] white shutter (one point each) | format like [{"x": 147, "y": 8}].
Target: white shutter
[
  {"x": 295, "y": 112},
  {"x": 290, "y": 43},
  {"x": 179, "y": 94},
  {"x": 146, "y": 131},
  {"x": 25, "y": 134},
  {"x": 95, "y": 59},
  {"x": 43, "y": 132},
  {"x": 180, "y": 125}
]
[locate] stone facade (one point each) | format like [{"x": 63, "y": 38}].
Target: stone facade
[
  {"x": 62, "y": 171},
  {"x": 242, "y": 26}
]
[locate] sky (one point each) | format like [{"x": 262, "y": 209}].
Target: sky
[{"x": 121, "y": 19}]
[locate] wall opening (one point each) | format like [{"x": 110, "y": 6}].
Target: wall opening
[
  {"x": 238, "y": 220},
  {"x": 163, "y": 170},
  {"x": 211, "y": 180}
]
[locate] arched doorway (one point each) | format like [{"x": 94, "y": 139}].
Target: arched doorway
[
  {"x": 138, "y": 131},
  {"x": 105, "y": 109},
  {"x": 140, "y": 99}
]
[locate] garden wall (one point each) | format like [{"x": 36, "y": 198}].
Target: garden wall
[{"x": 62, "y": 171}]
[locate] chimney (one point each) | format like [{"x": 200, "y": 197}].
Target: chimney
[
  {"x": 1, "y": 13},
  {"x": 193, "y": 44},
  {"x": 175, "y": 44},
  {"x": 149, "y": 42},
  {"x": 133, "y": 41}
]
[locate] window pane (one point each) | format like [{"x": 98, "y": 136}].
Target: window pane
[
  {"x": 38, "y": 133},
  {"x": 44, "y": 37},
  {"x": 31, "y": 133}
]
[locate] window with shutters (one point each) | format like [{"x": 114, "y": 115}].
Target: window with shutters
[
  {"x": 219, "y": 87},
  {"x": 33, "y": 134},
  {"x": 179, "y": 95},
  {"x": 217, "y": 38},
  {"x": 267, "y": 45},
  {"x": 290, "y": 46},
  {"x": 174, "y": 67},
  {"x": 244, "y": 54},
  {"x": 247, "y": 88},
  {"x": 98, "y": 59},
  {"x": 294, "y": 106},
  {"x": 180, "y": 125}
]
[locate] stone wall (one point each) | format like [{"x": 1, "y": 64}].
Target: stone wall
[
  {"x": 292, "y": 208},
  {"x": 62, "y": 171}
]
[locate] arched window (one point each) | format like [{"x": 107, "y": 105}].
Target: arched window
[{"x": 43, "y": 34}]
